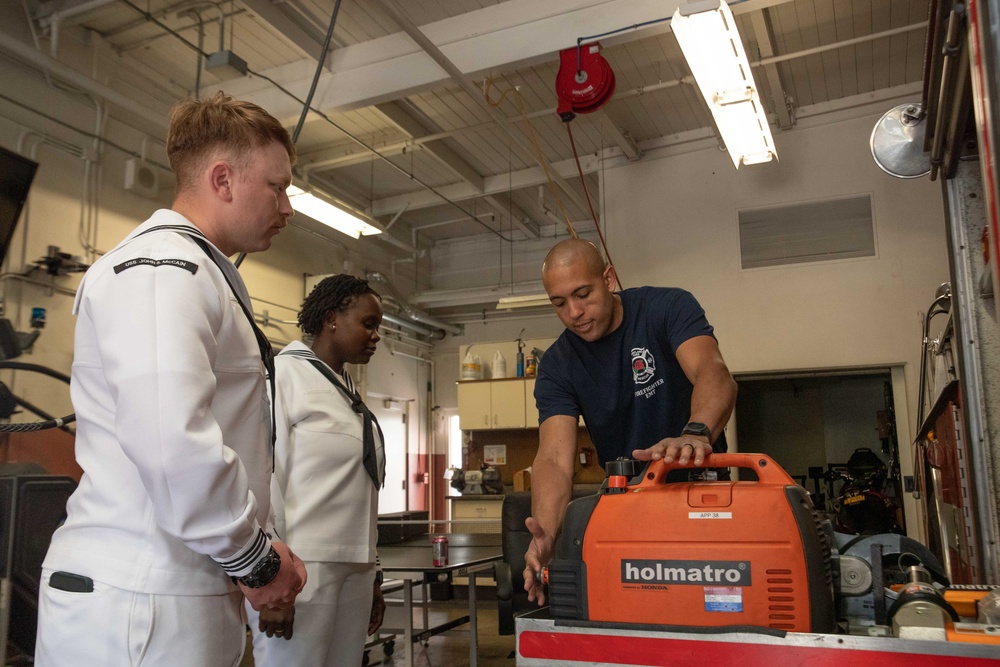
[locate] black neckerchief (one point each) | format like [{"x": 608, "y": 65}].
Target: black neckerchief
[
  {"x": 370, "y": 458},
  {"x": 263, "y": 344}
]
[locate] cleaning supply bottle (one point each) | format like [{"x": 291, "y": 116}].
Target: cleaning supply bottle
[
  {"x": 499, "y": 366},
  {"x": 530, "y": 366},
  {"x": 520, "y": 358},
  {"x": 471, "y": 369}
]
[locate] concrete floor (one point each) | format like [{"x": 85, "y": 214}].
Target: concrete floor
[
  {"x": 452, "y": 649},
  {"x": 446, "y": 650}
]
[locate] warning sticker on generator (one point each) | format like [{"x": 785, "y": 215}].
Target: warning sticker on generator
[{"x": 723, "y": 599}]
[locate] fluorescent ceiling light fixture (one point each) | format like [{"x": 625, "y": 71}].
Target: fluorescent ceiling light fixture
[
  {"x": 706, "y": 33},
  {"x": 523, "y": 301},
  {"x": 339, "y": 217}
]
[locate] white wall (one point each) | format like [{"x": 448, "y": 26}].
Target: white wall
[{"x": 674, "y": 222}]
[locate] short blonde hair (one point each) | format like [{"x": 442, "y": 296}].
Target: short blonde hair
[{"x": 218, "y": 126}]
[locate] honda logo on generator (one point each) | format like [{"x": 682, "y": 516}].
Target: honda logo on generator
[{"x": 696, "y": 572}]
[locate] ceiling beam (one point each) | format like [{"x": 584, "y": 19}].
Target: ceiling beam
[
  {"x": 764, "y": 32},
  {"x": 413, "y": 122},
  {"x": 517, "y": 216},
  {"x": 357, "y": 155},
  {"x": 59, "y": 11},
  {"x": 292, "y": 25},
  {"x": 492, "y": 185},
  {"x": 618, "y": 135},
  {"x": 404, "y": 116}
]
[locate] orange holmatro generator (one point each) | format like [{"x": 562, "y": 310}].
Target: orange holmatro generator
[{"x": 704, "y": 554}]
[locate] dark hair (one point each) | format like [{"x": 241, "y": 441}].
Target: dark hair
[
  {"x": 218, "y": 126},
  {"x": 331, "y": 294}
]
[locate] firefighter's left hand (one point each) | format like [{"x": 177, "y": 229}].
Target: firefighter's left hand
[{"x": 684, "y": 449}]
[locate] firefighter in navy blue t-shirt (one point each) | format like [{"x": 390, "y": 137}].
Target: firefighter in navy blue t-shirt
[{"x": 643, "y": 368}]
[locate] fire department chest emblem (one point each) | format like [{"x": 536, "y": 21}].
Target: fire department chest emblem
[{"x": 643, "y": 366}]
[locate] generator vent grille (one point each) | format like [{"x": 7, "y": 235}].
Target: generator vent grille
[
  {"x": 567, "y": 589},
  {"x": 782, "y": 607}
]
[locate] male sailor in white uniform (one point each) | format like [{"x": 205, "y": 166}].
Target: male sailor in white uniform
[{"x": 166, "y": 533}]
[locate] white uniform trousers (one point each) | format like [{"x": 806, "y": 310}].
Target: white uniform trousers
[
  {"x": 112, "y": 627},
  {"x": 331, "y": 620}
]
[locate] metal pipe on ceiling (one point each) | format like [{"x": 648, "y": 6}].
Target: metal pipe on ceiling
[
  {"x": 411, "y": 312},
  {"x": 842, "y": 43},
  {"x": 70, "y": 75},
  {"x": 415, "y": 357},
  {"x": 440, "y": 223},
  {"x": 412, "y": 326}
]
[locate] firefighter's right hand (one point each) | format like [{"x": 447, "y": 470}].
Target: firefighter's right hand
[{"x": 537, "y": 556}]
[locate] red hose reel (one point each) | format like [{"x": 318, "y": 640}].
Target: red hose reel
[{"x": 585, "y": 81}]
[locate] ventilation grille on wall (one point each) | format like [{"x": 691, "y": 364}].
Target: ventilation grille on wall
[{"x": 814, "y": 232}]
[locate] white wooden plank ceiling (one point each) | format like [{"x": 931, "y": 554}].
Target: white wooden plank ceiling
[{"x": 380, "y": 86}]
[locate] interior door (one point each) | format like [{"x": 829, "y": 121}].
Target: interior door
[{"x": 392, "y": 498}]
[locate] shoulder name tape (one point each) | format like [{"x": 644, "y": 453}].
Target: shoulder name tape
[{"x": 146, "y": 261}]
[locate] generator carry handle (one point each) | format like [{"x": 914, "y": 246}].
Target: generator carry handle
[{"x": 768, "y": 472}]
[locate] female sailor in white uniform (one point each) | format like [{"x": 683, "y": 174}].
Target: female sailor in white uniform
[{"x": 329, "y": 466}]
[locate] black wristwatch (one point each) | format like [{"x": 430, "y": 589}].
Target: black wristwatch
[
  {"x": 697, "y": 428},
  {"x": 379, "y": 577},
  {"x": 263, "y": 572}
]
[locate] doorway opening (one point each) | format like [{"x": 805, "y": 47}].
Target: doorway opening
[
  {"x": 835, "y": 434},
  {"x": 391, "y": 417}
]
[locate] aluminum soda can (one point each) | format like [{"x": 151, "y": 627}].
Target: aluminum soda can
[{"x": 440, "y": 551}]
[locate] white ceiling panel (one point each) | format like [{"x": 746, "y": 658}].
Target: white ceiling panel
[{"x": 491, "y": 168}]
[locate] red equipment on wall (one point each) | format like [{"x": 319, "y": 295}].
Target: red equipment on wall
[{"x": 585, "y": 81}]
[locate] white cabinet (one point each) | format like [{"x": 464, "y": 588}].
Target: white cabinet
[
  {"x": 530, "y": 409},
  {"x": 475, "y": 410},
  {"x": 507, "y": 401},
  {"x": 493, "y": 404}
]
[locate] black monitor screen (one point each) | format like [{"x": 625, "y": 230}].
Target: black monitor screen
[{"x": 16, "y": 174}]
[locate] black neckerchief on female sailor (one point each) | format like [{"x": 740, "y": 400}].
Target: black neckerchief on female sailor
[
  {"x": 370, "y": 458},
  {"x": 263, "y": 344}
]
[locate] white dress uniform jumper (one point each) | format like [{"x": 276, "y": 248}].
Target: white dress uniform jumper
[{"x": 173, "y": 435}]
